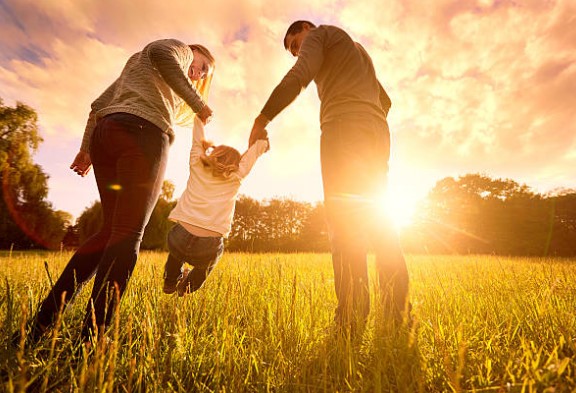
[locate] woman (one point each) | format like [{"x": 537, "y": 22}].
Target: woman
[{"x": 126, "y": 140}]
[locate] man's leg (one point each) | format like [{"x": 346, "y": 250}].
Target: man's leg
[
  {"x": 342, "y": 166},
  {"x": 392, "y": 271}
]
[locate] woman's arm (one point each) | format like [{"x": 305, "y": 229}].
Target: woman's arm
[{"x": 168, "y": 56}]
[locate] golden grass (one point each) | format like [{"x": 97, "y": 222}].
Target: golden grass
[{"x": 263, "y": 323}]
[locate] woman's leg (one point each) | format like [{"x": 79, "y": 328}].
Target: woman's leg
[
  {"x": 139, "y": 153},
  {"x": 85, "y": 260},
  {"x": 77, "y": 272}
]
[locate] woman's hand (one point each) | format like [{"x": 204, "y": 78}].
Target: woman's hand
[
  {"x": 205, "y": 114},
  {"x": 82, "y": 163}
]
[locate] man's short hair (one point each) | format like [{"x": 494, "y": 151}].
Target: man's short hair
[{"x": 296, "y": 28}]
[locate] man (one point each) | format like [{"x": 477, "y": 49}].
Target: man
[{"x": 354, "y": 152}]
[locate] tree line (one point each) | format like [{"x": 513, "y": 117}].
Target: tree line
[
  {"x": 477, "y": 214},
  {"x": 473, "y": 213}
]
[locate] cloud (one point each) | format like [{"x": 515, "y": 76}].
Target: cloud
[{"x": 477, "y": 86}]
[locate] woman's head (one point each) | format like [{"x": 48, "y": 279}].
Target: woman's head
[
  {"x": 222, "y": 160},
  {"x": 200, "y": 73},
  {"x": 201, "y": 69}
]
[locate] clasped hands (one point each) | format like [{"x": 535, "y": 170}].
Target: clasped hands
[{"x": 259, "y": 130}]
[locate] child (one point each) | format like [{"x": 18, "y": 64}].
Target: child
[{"x": 205, "y": 210}]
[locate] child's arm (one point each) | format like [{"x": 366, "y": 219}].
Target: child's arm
[
  {"x": 251, "y": 155},
  {"x": 197, "y": 138}
]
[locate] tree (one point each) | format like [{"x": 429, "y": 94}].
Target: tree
[
  {"x": 284, "y": 219},
  {"x": 26, "y": 218},
  {"x": 91, "y": 220},
  {"x": 247, "y": 231},
  {"x": 280, "y": 225},
  {"x": 477, "y": 214},
  {"x": 314, "y": 233},
  {"x": 562, "y": 233},
  {"x": 159, "y": 225}
]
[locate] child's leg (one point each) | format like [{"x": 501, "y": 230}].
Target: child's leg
[
  {"x": 209, "y": 247},
  {"x": 178, "y": 239},
  {"x": 171, "y": 274},
  {"x": 173, "y": 268},
  {"x": 197, "y": 277}
]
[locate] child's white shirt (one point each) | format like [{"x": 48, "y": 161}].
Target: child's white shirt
[{"x": 208, "y": 201}]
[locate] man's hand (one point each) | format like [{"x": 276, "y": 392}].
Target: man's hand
[
  {"x": 205, "y": 114},
  {"x": 258, "y": 129},
  {"x": 82, "y": 163}
]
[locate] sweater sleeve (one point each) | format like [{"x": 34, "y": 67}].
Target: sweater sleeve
[
  {"x": 309, "y": 61},
  {"x": 250, "y": 156},
  {"x": 165, "y": 56},
  {"x": 100, "y": 103}
]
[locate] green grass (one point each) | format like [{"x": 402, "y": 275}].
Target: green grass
[{"x": 264, "y": 323}]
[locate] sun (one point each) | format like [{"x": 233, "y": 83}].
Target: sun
[{"x": 399, "y": 206}]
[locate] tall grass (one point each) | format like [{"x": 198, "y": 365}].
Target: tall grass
[{"x": 264, "y": 323}]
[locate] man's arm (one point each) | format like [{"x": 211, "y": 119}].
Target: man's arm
[{"x": 309, "y": 61}]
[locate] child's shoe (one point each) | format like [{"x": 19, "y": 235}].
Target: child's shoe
[
  {"x": 183, "y": 285},
  {"x": 170, "y": 286}
]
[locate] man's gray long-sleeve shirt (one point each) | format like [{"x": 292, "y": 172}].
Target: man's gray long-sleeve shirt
[{"x": 343, "y": 73}]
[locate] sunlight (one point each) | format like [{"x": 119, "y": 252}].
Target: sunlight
[
  {"x": 402, "y": 197},
  {"x": 399, "y": 207}
]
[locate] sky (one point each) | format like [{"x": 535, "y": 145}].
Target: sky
[{"x": 477, "y": 86}]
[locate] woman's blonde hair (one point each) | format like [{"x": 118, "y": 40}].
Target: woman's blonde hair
[
  {"x": 222, "y": 160},
  {"x": 184, "y": 114}
]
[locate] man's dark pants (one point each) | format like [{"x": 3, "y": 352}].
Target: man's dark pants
[{"x": 354, "y": 154}]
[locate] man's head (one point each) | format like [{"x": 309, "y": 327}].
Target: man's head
[{"x": 296, "y": 34}]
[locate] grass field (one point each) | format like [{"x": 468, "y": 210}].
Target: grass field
[{"x": 263, "y": 323}]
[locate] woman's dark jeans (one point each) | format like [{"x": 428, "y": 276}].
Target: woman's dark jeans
[
  {"x": 129, "y": 156},
  {"x": 354, "y": 156},
  {"x": 201, "y": 252}
]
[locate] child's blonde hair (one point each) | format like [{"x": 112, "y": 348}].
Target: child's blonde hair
[{"x": 222, "y": 160}]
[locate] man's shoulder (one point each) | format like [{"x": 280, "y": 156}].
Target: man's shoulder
[
  {"x": 331, "y": 29},
  {"x": 332, "y": 33}
]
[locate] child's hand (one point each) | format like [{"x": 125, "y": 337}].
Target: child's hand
[
  {"x": 258, "y": 129},
  {"x": 264, "y": 137}
]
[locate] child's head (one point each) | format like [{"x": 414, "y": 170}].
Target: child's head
[{"x": 222, "y": 160}]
